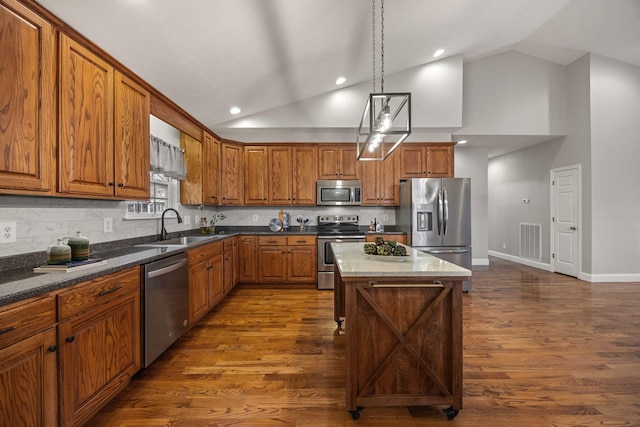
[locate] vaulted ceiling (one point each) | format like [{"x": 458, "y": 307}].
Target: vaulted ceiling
[{"x": 210, "y": 55}]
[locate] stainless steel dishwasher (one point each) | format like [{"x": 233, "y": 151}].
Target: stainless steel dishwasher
[{"x": 166, "y": 304}]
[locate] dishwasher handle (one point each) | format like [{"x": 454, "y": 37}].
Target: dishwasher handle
[{"x": 167, "y": 269}]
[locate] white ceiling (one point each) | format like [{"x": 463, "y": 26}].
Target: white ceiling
[{"x": 210, "y": 55}]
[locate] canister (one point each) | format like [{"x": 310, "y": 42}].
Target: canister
[
  {"x": 58, "y": 253},
  {"x": 79, "y": 246}
]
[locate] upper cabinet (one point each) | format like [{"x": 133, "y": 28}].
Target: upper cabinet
[
  {"x": 304, "y": 174},
  {"x": 191, "y": 186},
  {"x": 380, "y": 184},
  {"x": 426, "y": 160},
  {"x": 27, "y": 101},
  {"x": 231, "y": 187},
  {"x": 210, "y": 170},
  {"x": 337, "y": 162},
  {"x": 255, "y": 175},
  {"x": 94, "y": 158}
]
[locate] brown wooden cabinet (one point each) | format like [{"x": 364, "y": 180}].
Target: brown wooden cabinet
[
  {"x": 28, "y": 365},
  {"x": 210, "y": 170},
  {"x": 229, "y": 264},
  {"x": 338, "y": 161},
  {"x": 426, "y": 160},
  {"x": 231, "y": 174},
  {"x": 98, "y": 341},
  {"x": 206, "y": 286},
  {"x": 27, "y": 100},
  {"x": 380, "y": 183},
  {"x": 287, "y": 259},
  {"x": 280, "y": 170},
  {"x": 247, "y": 259},
  {"x": 191, "y": 190},
  {"x": 103, "y": 149},
  {"x": 256, "y": 175},
  {"x": 400, "y": 238},
  {"x": 304, "y": 175}
]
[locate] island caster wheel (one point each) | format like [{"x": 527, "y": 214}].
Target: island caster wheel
[
  {"x": 356, "y": 414},
  {"x": 450, "y": 412}
]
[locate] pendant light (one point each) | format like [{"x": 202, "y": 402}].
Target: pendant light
[{"x": 386, "y": 121}]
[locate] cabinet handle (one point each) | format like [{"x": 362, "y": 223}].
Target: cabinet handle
[
  {"x": 52, "y": 348},
  {"x": 112, "y": 184},
  {"x": 121, "y": 185},
  {"x": 5, "y": 330},
  {"x": 108, "y": 291},
  {"x": 70, "y": 339}
]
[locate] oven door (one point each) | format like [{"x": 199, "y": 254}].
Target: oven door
[{"x": 325, "y": 258}]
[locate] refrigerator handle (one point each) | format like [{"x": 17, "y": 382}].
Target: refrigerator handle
[
  {"x": 445, "y": 217},
  {"x": 440, "y": 211}
]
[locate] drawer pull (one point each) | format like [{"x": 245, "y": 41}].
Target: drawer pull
[
  {"x": 435, "y": 284},
  {"x": 52, "y": 348},
  {"x": 108, "y": 291},
  {"x": 5, "y": 330},
  {"x": 70, "y": 339}
]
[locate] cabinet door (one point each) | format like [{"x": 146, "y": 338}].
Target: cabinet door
[
  {"x": 191, "y": 186},
  {"x": 28, "y": 383},
  {"x": 27, "y": 100},
  {"x": 132, "y": 109},
  {"x": 272, "y": 264},
  {"x": 328, "y": 161},
  {"x": 439, "y": 161},
  {"x": 412, "y": 161},
  {"x": 198, "y": 290},
  {"x": 348, "y": 163},
  {"x": 305, "y": 175},
  {"x": 211, "y": 170},
  {"x": 369, "y": 173},
  {"x": 217, "y": 286},
  {"x": 388, "y": 182},
  {"x": 255, "y": 175},
  {"x": 85, "y": 149},
  {"x": 247, "y": 260},
  {"x": 280, "y": 175},
  {"x": 99, "y": 352},
  {"x": 228, "y": 269},
  {"x": 302, "y": 264},
  {"x": 231, "y": 174}
]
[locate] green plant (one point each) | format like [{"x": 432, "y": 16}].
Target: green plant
[{"x": 217, "y": 217}]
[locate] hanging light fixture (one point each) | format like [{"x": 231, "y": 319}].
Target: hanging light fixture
[{"x": 386, "y": 120}]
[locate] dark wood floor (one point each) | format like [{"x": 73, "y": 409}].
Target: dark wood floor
[{"x": 540, "y": 349}]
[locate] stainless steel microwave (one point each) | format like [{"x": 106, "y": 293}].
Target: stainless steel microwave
[{"x": 339, "y": 192}]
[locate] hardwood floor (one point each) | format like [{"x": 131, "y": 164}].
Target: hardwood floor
[{"x": 540, "y": 349}]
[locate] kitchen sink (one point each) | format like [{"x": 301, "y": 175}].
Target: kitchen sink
[{"x": 181, "y": 241}]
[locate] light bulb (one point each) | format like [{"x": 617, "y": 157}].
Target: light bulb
[{"x": 386, "y": 118}]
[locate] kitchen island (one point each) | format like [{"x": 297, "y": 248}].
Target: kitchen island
[{"x": 403, "y": 327}]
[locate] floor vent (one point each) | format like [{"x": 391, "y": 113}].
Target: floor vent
[{"x": 531, "y": 241}]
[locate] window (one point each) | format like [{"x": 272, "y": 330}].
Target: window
[{"x": 162, "y": 195}]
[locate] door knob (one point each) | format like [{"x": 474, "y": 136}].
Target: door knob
[{"x": 572, "y": 228}]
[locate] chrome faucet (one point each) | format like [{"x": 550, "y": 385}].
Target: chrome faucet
[{"x": 163, "y": 231}]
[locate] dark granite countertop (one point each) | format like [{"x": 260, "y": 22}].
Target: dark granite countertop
[{"x": 20, "y": 283}]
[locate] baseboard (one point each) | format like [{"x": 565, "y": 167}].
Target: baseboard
[
  {"x": 601, "y": 278},
  {"x": 534, "y": 264}
]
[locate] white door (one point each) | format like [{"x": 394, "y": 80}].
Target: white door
[{"x": 565, "y": 220}]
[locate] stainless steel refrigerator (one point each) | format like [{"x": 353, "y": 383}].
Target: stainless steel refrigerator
[{"x": 436, "y": 215}]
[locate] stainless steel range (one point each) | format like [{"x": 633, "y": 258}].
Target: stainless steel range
[{"x": 334, "y": 229}]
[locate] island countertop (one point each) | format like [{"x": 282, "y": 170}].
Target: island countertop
[{"x": 351, "y": 261}]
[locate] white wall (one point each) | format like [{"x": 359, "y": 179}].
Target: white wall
[{"x": 615, "y": 147}]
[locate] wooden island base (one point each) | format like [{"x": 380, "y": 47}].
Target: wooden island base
[{"x": 403, "y": 340}]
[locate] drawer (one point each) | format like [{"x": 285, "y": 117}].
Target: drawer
[
  {"x": 229, "y": 243},
  {"x": 204, "y": 252},
  {"x": 26, "y": 319},
  {"x": 301, "y": 240},
  {"x": 94, "y": 293},
  {"x": 272, "y": 240}
]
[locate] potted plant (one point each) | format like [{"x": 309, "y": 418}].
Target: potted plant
[{"x": 219, "y": 216}]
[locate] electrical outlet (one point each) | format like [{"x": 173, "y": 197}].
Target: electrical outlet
[
  {"x": 255, "y": 218},
  {"x": 7, "y": 232},
  {"x": 504, "y": 246},
  {"x": 385, "y": 217},
  {"x": 187, "y": 219},
  {"x": 197, "y": 217},
  {"x": 108, "y": 225}
]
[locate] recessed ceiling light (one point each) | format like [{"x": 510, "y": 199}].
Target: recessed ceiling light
[
  {"x": 464, "y": 141},
  {"x": 340, "y": 80},
  {"x": 235, "y": 110},
  {"x": 438, "y": 53}
]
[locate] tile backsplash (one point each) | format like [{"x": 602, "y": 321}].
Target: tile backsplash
[{"x": 42, "y": 220}]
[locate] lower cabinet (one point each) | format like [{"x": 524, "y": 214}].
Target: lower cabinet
[
  {"x": 229, "y": 264},
  {"x": 247, "y": 259},
  {"x": 206, "y": 286},
  {"x": 400, "y": 238},
  {"x": 28, "y": 368},
  {"x": 98, "y": 341},
  {"x": 287, "y": 259}
]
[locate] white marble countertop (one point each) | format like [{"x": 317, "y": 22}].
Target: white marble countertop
[{"x": 353, "y": 262}]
